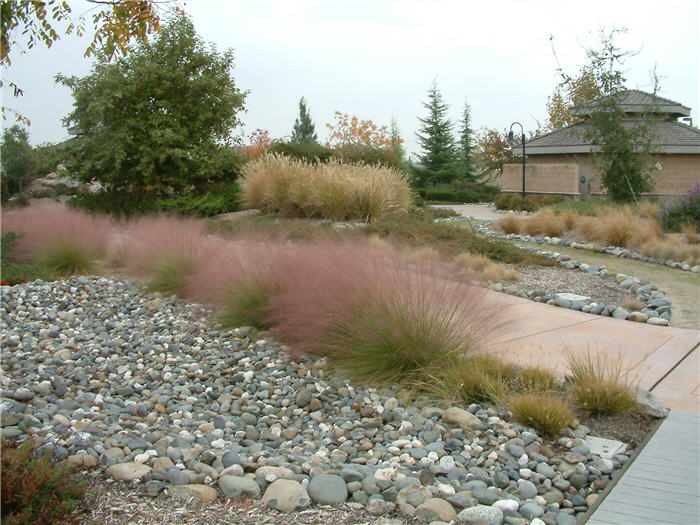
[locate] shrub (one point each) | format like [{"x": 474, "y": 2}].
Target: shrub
[
  {"x": 440, "y": 195},
  {"x": 60, "y": 240},
  {"x": 685, "y": 210},
  {"x": 34, "y": 490},
  {"x": 307, "y": 151},
  {"x": 333, "y": 190},
  {"x": 597, "y": 385},
  {"x": 537, "y": 380},
  {"x": 370, "y": 156},
  {"x": 443, "y": 213},
  {"x": 544, "y": 412},
  {"x": 221, "y": 198}
]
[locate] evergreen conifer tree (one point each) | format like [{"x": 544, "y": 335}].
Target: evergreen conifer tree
[
  {"x": 438, "y": 158},
  {"x": 467, "y": 162},
  {"x": 397, "y": 142},
  {"x": 304, "y": 129}
]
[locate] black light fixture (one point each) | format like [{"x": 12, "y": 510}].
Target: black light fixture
[{"x": 511, "y": 138}]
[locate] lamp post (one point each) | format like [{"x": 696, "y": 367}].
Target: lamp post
[{"x": 511, "y": 137}]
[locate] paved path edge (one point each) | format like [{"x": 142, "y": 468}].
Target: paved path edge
[{"x": 610, "y": 486}]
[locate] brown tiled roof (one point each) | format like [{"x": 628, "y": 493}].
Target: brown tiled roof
[
  {"x": 671, "y": 137},
  {"x": 636, "y": 101}
]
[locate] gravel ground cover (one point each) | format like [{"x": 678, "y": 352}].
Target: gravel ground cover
[
  {"x": 142, "y": 387},
  {"x": 550, "y": 280}
]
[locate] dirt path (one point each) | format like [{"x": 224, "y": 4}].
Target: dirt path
[{"x": 682, "y": 287}]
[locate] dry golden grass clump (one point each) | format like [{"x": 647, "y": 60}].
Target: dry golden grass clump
[
  {"x": 545, "y": 222},
  {"x": 544, "y": 412},
  {"x": 333, "y": 190},
  {"x": 671, "y": 248},
  {"x": 511, "y": 223},
  {"x": 633, "y": 304},
  {"x": 648, "y": 209},
  {"x": 484, "y": 267},
  {"x": 597, "y": 384},
  {"x": 690, "y": 233},
  {"x": 536, "y": 379}
]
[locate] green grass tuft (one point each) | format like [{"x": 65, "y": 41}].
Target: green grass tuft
[
  {"x": 544, "y": 412},
  {"x": 391, "y": 342},
  {"x": 170, "y": 273},
  {"x": 537, "y": 380},
  {"x": 597, "y": 385},
  {"x": 247, "y": 304},
  {"x": 66, "y": 257}
]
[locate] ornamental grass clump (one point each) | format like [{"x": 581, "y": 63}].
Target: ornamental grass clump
[
  {"x": 334, "y": 190},
  {"x": 597, "y": 384},
  {"x": 164, "y": 250},
  {"x": 479, "y": 378},
  {"x": 375, "y": 320},
  {"x": 546, "y": 413},
  {"x": 485, "y": 268},
  {"x": 60, "y": 240},
  {"x": 511, "y": 223},
  {"x": 536, "y": 379}
]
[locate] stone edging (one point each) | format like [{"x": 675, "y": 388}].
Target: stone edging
[
  {"x": 657, "y": 307},
  {"x": 609, "y": 250}
]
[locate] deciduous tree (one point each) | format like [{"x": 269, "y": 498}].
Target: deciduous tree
[
  {"x": 158, "y": 119},
  {"x": 26, "y": 23},
  {"x": 260, "y": 143},
  {"x": 17, "y": 158},
  {"x": 493, "y": 151},
  {"x": 623, "y": 144},
  {"x": 350, "y": 132}
]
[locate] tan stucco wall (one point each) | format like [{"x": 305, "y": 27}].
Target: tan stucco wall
[
  {"x": 679, "y": 173},
  {"x": 540, "y": 178}
]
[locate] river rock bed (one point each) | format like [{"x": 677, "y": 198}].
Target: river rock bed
[{"x": 106, "y": 376}]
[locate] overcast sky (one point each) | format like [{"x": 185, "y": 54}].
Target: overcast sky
[{"x": 377, "y": 58}]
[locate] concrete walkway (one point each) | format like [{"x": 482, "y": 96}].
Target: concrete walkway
[
  {"x": 661, "y": 359},
  {"x": 662, "y": 485},
  {"x": 477, "y": 211}
]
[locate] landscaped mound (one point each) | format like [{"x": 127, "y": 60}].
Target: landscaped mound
[{"x": 331, "y": 190}]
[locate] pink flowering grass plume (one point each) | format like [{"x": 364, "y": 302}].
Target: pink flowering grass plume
[
  {"x": 240, "y": 276},
  {"x": 62, "y": 240},
  {"x": 376, "y": 320},
  {"x": 163, "y": 249}
]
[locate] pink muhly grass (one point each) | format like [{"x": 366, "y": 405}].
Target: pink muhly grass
[
  {"x": 240, "y": 276},
  {"x": 163, "y": 249},
  {"x": 375, "y": 321},
  {"x": 62, "y": 239}
]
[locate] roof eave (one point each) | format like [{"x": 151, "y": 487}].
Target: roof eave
[{"x": 563, "y": 150}]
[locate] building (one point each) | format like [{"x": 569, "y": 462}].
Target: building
[{"x": 560, "y": 162}]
